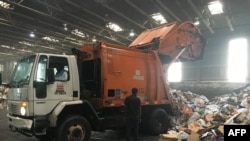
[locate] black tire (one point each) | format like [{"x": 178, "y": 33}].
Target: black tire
[
  {"x": 44, "y": 137},
  {"x": 158, "y": 122},
  {"x": 48, "y": 137},
  {"x": 74, "y": 128}
]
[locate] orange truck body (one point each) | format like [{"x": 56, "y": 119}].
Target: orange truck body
[
  {"x": 141, "y": 64},
  {"x": 124, "y": 68}
]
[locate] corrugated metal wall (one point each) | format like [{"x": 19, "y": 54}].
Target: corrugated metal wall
[
  {"x": 213, "y": 65},
  {"x": 7, "y": 70}
]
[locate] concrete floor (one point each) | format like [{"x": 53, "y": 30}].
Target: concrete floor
[{"x": 7, "y": 135}]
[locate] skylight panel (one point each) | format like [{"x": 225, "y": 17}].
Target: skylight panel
[
  {"x": 78, "y": 33},
  {"x": 26, "y": 43},
  {"x": 5, "y": 53},
  {"x": 4, "y": 5},
  {"x": 159, "y": 18},
  {"x": 5, "y": 46},
  {"x": 50, "y": 39},
  {"x": 114, "y": 27},
  {"x": 215, "y": 7}
]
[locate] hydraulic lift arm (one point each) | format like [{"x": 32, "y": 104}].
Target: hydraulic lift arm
[{"x": 173, "y": 41}]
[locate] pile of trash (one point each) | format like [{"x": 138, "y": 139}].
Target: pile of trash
[
  {"x": 3, "y": 97},
  {"x": 201, "y": 119}
]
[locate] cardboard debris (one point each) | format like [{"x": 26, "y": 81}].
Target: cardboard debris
[
  {"x": 208, "y": 124},
  {"x": 209, "y": 117},
  {"x": 193, "y": 137},
  {"x": 181, "y": 128},
  {"x": 195, "y": 127},
  {"x": 201, "y": 119},
  {"x": 221, "y": 129},
  {"x": 168, "y": 137}
]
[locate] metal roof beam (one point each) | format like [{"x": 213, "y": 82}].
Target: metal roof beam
[
  {"x": 139, "y": 10},
  {"x": 122, "y": 15},
  {"x": 63, "y": 21},
  {"x": 226, "y": 12},
  {"x": 200, "y": 16},
  {"x": 168, "y": 10},
  {"x": 96, "y": 15}
]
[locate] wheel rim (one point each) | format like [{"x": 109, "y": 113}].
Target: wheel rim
[
  {"x": 76, "y": 133},
  {"x": 158, "y": 124}
]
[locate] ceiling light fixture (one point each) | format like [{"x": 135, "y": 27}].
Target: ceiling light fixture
[
  {"x": 32, "y": 35},
  {"x": 159, "y": 18},
  {"x": 65, "y": 27},
  {"x": 94, "y": 39},
  {"x": 114, "y": 27},
  {"x": 215, "y": 7},
  {"x": 132, "y": 34},
  {"x": 196, "y": 22}
]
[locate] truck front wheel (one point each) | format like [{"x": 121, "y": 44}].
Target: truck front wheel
[
  {"x": 49, "y": 136},
  {"x": 74, "y": 128}
]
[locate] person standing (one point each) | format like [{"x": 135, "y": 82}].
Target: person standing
[{"x": 133, "y": 115}]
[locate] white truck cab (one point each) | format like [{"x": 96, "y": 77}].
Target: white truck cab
[{"x": 36, "y": 98}]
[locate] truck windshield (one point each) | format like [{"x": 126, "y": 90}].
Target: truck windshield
[{"x": 22, "y": 71}]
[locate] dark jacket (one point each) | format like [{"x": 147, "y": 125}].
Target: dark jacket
[{"x": 133, "y": 107}]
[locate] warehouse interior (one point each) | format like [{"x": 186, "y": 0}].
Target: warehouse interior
[{"x": 57, "y": 26}]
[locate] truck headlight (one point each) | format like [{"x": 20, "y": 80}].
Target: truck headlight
[
  {"x": 23, "y": 111},
  {"x": 23, "y": 108}
]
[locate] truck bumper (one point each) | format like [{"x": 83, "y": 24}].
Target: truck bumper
[{"x": 19, "y": 123}]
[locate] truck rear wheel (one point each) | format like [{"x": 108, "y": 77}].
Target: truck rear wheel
[
  {"x": 158, "y": 122},
  {"x": 74, "y": 128}
]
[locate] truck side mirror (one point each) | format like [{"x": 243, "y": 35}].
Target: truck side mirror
[
  {"x": 50, "y": 75},
  {"x": 0, "y": 78}
]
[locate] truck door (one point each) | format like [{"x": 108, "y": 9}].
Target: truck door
[{"x": 47, "y": 96}]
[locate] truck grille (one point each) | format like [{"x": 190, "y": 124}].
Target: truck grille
[{"x": 13, "y": 109}]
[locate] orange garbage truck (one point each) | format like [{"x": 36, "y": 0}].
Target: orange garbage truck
[{"x": 99, "y": 78}]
